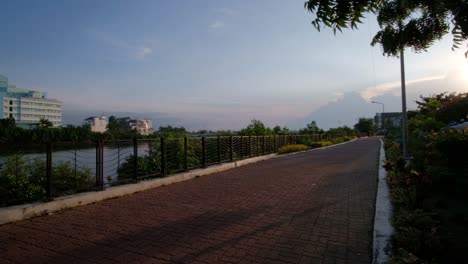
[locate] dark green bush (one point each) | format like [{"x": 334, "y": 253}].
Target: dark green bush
[{"x": 24, "y": 181}]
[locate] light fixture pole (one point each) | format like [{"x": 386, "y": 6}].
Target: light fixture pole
[
  {"x": 383, "y": 111},
  {"x": 404, "y": 119},
  {"x": 403, "y": 108}
]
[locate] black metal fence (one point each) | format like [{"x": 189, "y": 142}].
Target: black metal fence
[{"x": 42, "y": 172}]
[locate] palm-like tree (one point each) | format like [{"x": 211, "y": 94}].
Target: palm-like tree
[{"x": 45, "y": 123}]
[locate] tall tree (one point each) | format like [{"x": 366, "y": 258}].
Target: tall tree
[
  {"x": 311, "y": 128},
  {"x": 255, "y": 128},
  {"x": 44, "y": 123},
  {"x": 7, "y": 122},
  {"x": 365, "y": 125},
  {"x": 414, "y": 24}
]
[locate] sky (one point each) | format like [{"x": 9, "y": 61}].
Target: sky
[{"x": 211, "y": 64}]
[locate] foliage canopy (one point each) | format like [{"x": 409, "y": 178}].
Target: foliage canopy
[
  {"x": 365, "y": 125},
  {"x": 414, "y": 24}
]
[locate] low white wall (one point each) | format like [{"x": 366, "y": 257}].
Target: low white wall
[{"x": 383, "y": 229}]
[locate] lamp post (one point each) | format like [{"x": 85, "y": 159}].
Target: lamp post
[
  {"x": 404, "y": 120},
  {"x": 383, "y": 111}
]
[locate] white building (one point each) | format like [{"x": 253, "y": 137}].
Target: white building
[
  {"x": 143, "y": 127},
  {"x": 98, "y": 124},
  {"x": 28, "y": 107}
]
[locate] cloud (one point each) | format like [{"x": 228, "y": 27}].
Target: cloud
[
  {"x": 337, "y": 96},
  {"x": 134, "y": 50},
  {"x": 217, "y": 24},
  {"x": 393, "y": 87},
  {"x": 143, "y": 52}
]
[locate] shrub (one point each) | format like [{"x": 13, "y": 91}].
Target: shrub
[
  {"x": 292, "y": 148},
  {"x": 315, "y": 145},
  {"x": 325, "y": 143},
  {"x": 305, "y": 141},
  {"x": 24, "y": 181}
]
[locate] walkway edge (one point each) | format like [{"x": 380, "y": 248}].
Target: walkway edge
[
  {"x": 26, "y": 211},
  {"x": 383, "y": 229}
]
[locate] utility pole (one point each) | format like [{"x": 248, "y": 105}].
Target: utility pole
[
  {"x": 383, "y": 111},
  {"x": 404, "y": 125}
]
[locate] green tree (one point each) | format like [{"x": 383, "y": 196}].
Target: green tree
[
  {"x": 119, "y": 128},
  {"x": 171, "y": 132},
  {"x": 255, "y": 128},
  {"x": 44, "y": 123},
  {"x": 340, "y": 131},
  {"x": 311, "y": 128},
  {"x": 8, "y": 130},
  {"x": 445, "y": 107},
  {"x": 365, "y": 125},
  {"x": 414, "y": 24},
  {"x": 7, "y": 122},
  {"x": 277, "y": 130}
]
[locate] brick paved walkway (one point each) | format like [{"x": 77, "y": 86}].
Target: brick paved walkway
[{"x": 314, "y": 207}]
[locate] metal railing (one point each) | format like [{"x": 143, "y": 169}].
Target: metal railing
[{"x": 44, "y": 171}]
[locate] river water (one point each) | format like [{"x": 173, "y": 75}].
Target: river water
[{"x": 83, "y": 157}]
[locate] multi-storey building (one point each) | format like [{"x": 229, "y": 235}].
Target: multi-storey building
[
  {"x": 388, "y": 120},
  {"x": 28, "y": 107},
  {"x": 97, "y": 124},
  {"x": 143, "y": 126}
]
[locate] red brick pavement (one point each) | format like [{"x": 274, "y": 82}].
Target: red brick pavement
[{"x": 314, "y": 207}]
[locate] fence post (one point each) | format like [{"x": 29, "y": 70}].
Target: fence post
[
  {"x": 75, "y": 167},
  {"x": 49, "y": 171},
  {"x": 270, "y": 145},
  {"x": 231, "y": 149},
  {"x": 218, "y": 139},
  {"x": 185, "y": 154},
  {"x": 258, "y": 144},
  {"x": 101, "y": 166},
  {"x": 263, "y": 145},
  {"x": 241, "y": 147},
  {"x": 274, "y": 143},
  {"x": 135, "y": 160},
  {"x": 98, "y": 155},
  {"x": 203, "y": 152},
  {"x": 163, "y": 157},
  {"x": 250, "y": 146}
]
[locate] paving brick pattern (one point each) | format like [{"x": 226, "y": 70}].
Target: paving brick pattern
[{"x": 314, "y": 207}]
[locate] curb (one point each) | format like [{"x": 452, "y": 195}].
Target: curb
[
  {"x": 383, "y": 229},
  {"x": 26, "y": 211}
]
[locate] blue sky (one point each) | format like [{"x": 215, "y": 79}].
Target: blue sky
[{"x": 225, "y": 61}]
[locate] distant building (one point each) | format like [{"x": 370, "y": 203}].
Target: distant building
[
  {"x": 388, "y": 120},
  {"x": 98, "y": 124},
  {"x": 27, "y": 107},
  {"x": 142, "y": 126}
]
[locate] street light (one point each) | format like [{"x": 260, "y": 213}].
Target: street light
[
  {"x": 383, "y": 105},
  {"x": 404, "y": 119},
  {"x": 383, "y": 111}
]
